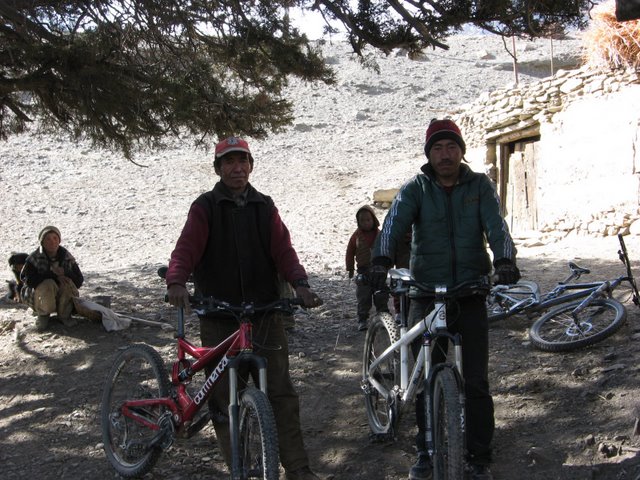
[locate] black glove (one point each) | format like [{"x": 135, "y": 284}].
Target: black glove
[
  {"x": 506, "y": 272},
  {"x": 350, "y": 273},
  {"x": 377, "y": 277}
]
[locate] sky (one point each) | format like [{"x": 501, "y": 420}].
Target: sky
[{"x": 309, "y": 22}]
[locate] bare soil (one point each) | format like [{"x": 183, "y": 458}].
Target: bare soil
[{"x": 558, "y": 415}]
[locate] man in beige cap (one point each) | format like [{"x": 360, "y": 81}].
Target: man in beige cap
[{"x": 52, "y": 277}]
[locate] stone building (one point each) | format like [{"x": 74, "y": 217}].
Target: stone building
[{"x": 564, "y": 151}]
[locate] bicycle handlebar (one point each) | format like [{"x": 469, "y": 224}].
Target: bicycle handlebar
[
  {"x": 480, "y": 286},
  {"x": 209, "y": 305}
]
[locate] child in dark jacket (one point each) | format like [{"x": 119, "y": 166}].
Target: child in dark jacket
[{"x": 359, "y": 256}]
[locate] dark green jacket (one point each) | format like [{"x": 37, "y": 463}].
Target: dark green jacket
[{"x": 450, "y": 230}]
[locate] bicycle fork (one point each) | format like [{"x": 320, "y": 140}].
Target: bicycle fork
[
  {"x": 602, "y": 290},
  {"x": 430, "y": 371},
  {"x": 234, "y": 404}
]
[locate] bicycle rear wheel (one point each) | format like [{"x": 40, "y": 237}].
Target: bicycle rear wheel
[
  {"x": 381, "y": 409},
  {"x": 557, "y": 331},
  {"x": 258, "y": 437},
  {"x": 137, "y": 373},
  {"x": 448, "y": 427}
]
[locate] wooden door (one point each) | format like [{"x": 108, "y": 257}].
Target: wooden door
[{"x": 518, "y": 186}]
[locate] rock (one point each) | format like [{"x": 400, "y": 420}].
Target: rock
[
  {"x": 608, "y": 450},
  {"x": 538, "y": 455},
  {"x": 384, "y": 196},
  {"x": 634, "y": 228},
  {"x": 484, "y": 55}
]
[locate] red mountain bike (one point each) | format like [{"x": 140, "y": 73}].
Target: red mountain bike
[{"x": 143, "y": 411}]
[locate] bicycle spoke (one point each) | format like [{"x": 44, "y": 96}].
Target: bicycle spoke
[
  {"x": 137, "y": 374},
  {"x": 380, "y": 335}
]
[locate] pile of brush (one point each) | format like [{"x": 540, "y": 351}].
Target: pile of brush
[{"x": 610, "y": 43}]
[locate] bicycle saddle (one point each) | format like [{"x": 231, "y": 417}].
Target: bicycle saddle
[{"x": 575, "y": 268}]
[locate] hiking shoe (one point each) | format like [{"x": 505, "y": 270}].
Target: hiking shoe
[
  {"x": 422, "y": 469},
  {"x": 303, "y": 473},
  {"x": 42, "y": 322},
  {"x": 362, "y": 325},
  {"x": 479, "y": 471},
  {"x": 68, "y": 321}
]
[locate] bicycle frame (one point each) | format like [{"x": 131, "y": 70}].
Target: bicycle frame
[
  {"x": 230, "y": 354},
  {"x": 535, "y": 302},
  {"x": 144, "y": 408},
  {"x": 432, "y": 327}
]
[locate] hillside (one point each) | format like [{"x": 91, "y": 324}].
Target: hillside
[{"x": 558, "y": 416}]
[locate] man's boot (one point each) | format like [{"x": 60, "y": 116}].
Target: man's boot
[
  {"x": 422, "y": 469},
  {"x": 362, "y": 324}
]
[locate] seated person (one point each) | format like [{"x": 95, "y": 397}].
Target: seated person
[{"x": 52, "y": 277}]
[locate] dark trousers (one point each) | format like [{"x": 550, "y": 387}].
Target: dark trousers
[
  {"x": 270, "y": 341},
  {"x": 468, "y": 317}
]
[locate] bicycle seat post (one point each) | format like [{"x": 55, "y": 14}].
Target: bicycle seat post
[{"x": 180, "y": 329}]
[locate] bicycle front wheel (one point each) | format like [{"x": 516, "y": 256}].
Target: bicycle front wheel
[
  {"x": 381, "y": 408},
  {"x": 138, "y": 373},
  {"x": 558, "y": 331},
  {"x": 448, "y": 427},
  {"x": 258, "y": 437}
]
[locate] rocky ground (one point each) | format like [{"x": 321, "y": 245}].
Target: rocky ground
[{"x": 559, "y": 416}]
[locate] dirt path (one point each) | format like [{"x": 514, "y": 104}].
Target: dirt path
[{"x": 559, "y": 416}]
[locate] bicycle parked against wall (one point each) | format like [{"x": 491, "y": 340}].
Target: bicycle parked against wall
[
  {"x": 389, "y": 384},
  {"x": 585, "y": 312},
  {"x": 143, "y": 411}
]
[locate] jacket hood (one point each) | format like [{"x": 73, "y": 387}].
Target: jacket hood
[{"x": 376, "y": 222}]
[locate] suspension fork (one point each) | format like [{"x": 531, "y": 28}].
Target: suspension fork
[
  {"x": 428, "y": 408},
  {"x": 430, "y": 371},
  {"x": 251, "y": 360},
  {"x": 602, "y": 289}
]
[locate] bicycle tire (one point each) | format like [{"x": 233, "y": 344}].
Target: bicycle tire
[
  {"x": 381, "y": 412},
  {"x": 448, "y": 426},
  {"x": 258, "y": 437},
  {"x": 138, "y": 372},
  {"x": 556, "y": 331}
]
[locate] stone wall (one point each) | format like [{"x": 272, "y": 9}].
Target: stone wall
[{"x": 587, "y": 178}]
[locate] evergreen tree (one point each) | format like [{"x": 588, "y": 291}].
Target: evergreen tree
[{"x": 125, "y": 72}]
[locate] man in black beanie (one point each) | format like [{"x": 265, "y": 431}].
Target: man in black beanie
[{"x": 454, "y": 212}]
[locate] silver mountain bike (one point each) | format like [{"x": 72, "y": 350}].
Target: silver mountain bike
[{"x": 391, "y": 380}]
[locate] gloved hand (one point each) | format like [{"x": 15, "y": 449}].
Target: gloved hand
[
  {"x": 378, "y": 277},
  {"x": 506, "y": 272},
  {"x": 350, "y": 273}
]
